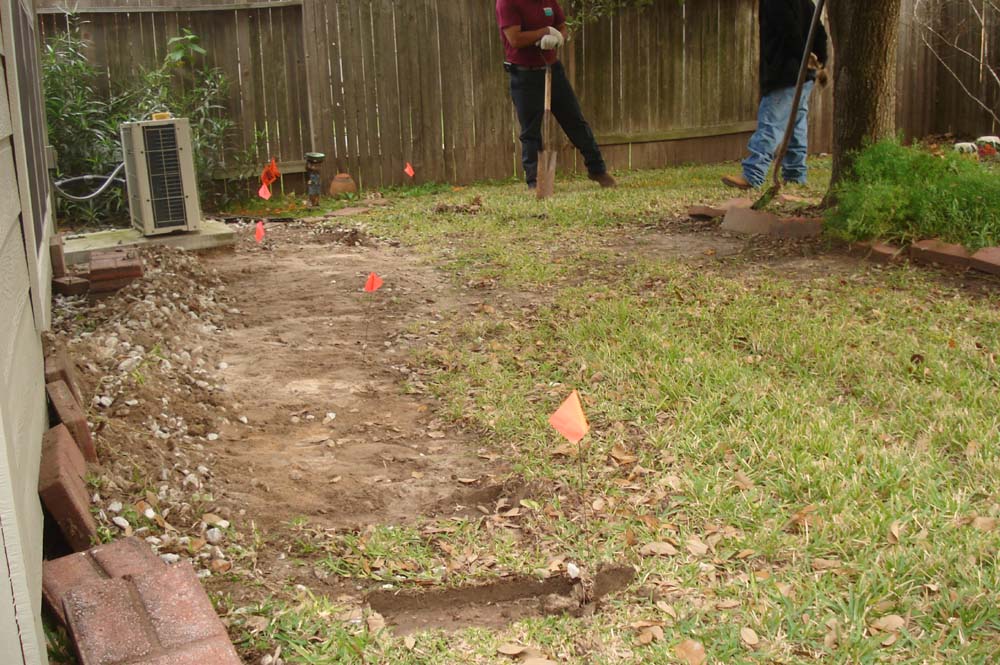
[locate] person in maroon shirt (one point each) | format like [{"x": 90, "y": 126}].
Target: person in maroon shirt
[{"x": 532, "y": 31}]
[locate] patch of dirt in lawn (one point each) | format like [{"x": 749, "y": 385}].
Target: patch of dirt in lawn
[
  {"x": 703, "y": 243},
  {"x": 337, "y": 429},
  {"x": 497, "y": 604}
]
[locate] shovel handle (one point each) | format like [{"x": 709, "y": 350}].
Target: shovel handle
[{"x": 548, "y": 88}]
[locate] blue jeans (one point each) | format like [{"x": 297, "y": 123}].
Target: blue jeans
[{"x": 772, "y": 121}]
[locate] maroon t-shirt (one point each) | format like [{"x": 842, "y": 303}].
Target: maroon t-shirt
[{"x": 530, "y": 15}]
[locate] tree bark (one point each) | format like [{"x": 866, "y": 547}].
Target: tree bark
[{"x": 864, "y": 35}]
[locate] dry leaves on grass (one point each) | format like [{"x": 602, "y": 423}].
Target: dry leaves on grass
[
  {"x": 743, "y": 481},
  {"x": 691, "y": 652},
  {"x": 895, "y": 529},
  {"x": 696, "y": 547},
  {"x": 648, "y": 632},
  {"x": 525, "y": 655},
  {"x": 658, "y": 549},
  {"x": 749, "y": 636},
  {"x": 805, "y": 518},
  {"x": 887, "y": 626}
]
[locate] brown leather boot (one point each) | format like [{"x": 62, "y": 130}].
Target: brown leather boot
[
  {"x": 736, "y": 181},
  {"x": 603, "y": 179}
]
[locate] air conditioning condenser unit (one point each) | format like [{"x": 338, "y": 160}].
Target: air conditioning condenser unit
[{"x": 159, "y": 171}]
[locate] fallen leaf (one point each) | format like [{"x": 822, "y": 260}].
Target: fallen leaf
[
  {"x": 743, "y": 481},
  {"x": 803, "y": 519},
  {"x": 376, "y": 622},
  {"x": 727, "y": 604},
  {"x": 409, "y": 642},
  {"x": 526, "y": 654},
  {"x": 622, "y": 455},
  {"x": 211, "y": 519},
  {"x": 658, "y": 549},
  {"x": 567, "y": 450},
  {"x": 894, "y": 531},
  {"x": 984, "y": 523},
  {"x": 696, "y": 547},
  {"x": 468, "y": 481},
  {"x": 826, "y": 564},
  {"x": 630, "y": 538},
  {"x": 749, "y": 636},
  {"x": 417, "y": 474},
  {"x": 691, "y": 652},
  {"x": 667, "y": 609},
  {"x": 598, "y": 505},
  {"x": 650, "y": 634},
  {"x": 891, "y": 623},
  {"x": 650, "y": 521}
]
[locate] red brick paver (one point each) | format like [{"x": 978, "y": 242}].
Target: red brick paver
[
  {"x": 155, "y": 618},
  {"x": 71, "y": 415},
  {"x": 70, "y": 285},
  {"x": 129, "y": 556},
  {"x": 62, "y": 488},
  {"x": 57, "y": 255},
  {"x": 987, "y": 260},
  {"x": 940, "y": 252},
  {"x": 59, "y": 367}
]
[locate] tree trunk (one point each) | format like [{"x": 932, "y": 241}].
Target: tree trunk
[{"x": 864, "y": 36}]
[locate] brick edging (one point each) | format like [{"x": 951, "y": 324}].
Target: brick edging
[{"x": 933, "y": 251}]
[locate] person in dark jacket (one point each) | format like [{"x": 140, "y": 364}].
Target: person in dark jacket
[{"x": 784, "y": 31}]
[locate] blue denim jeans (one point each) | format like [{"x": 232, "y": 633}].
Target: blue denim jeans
[{"x": 772, "y": 121}]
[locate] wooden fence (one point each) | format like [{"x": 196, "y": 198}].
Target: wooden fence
[{"x": 378, "y": 83}]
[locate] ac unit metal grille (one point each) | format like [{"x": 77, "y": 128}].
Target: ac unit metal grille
[{"x": 165, "y": 183}]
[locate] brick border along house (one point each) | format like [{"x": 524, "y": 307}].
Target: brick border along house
[{"x": 25, "y": 277}]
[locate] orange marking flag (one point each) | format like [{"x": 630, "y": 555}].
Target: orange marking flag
[
  {"x": 258, "y": 235},
  {"x": 373, "y": 284},
  {"x": 409, "y": 170},
  {"x": 267, "y": 178},
  {"x": 570, "y": 420}
]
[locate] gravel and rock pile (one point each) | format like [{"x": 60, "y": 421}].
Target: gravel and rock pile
[{"x": 157, "y": 402}]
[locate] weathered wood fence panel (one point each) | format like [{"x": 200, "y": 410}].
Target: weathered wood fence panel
[{"x": 379, "y": 83}]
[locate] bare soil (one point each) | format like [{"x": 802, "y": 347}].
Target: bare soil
[{"x": 335, "y": 432}]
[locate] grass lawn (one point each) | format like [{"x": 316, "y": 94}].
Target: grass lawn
[{"x": 817, "y": 455}]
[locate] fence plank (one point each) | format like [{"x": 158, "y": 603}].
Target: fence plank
[{"x": 377, "y": 83}]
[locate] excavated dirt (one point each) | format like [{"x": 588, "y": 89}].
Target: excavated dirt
[
  {"x": 337, "y": 428},
  {"x": 495, "y": 605}
]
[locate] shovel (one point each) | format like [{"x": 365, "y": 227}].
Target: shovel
[
  {"x": 768, "y": 196},
  {"x": 546, "y": 184}
]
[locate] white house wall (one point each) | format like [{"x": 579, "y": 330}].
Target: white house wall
[{"x": 23, "y": 416}]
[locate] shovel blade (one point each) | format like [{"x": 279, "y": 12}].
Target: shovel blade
[{"x": 546, "y": 186}]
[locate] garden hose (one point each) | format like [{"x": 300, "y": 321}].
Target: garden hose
[{"x": 108, "y": 181}]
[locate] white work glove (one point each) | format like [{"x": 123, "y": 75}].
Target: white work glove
[{"x": 553, "y": 40}]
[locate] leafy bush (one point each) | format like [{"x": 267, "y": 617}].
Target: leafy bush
[
  {"x": 84, "y": 124},
  {"x": 904, "y": 194}
]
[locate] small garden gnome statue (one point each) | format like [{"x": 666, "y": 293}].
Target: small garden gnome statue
[{"x": 314, "y": 162}]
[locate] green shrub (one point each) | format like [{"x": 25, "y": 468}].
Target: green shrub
[
  {"x": 84, "y": 124},
  {"x": 904, "y": 194}
]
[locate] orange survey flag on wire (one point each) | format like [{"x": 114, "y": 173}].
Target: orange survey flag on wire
[
  {"x": 258, "y": 235},
  {"x": 570, "y": 420},
  {"x": 267, "y": 178},
  {"x": 409, "y": 170},
  {"x": 374, "y": 283}
]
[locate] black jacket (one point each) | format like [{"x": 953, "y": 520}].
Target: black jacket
[{"x": 784, "y": 30}]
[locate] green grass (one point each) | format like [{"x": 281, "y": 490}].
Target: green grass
[
  {"x": 905, "y": 194},
  {"x": 863, "y": 408}
]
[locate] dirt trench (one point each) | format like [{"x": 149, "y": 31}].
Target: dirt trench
[{"x": 337, "y": 428}]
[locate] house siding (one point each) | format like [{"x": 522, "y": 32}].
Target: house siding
[{"x": 24, "y": 308}]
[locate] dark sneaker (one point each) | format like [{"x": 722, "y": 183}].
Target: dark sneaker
[
  {"x": 532, "y": 185},
  {"x": 603, "y": 179},
  {"x": 736, "y": 181}
]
